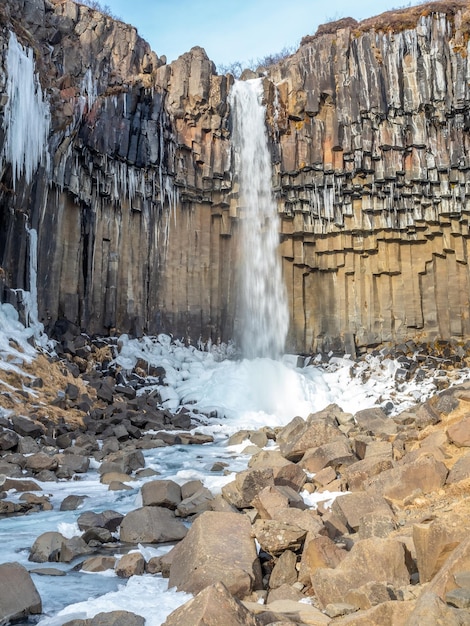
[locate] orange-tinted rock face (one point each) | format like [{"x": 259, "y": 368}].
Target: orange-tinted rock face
[{"x": 137, "y": 207}]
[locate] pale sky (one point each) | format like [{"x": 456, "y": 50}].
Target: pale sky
[{"x": 236, "y": 30}]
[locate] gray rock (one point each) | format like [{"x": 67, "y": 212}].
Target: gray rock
[
  {"x": 18, "y": 594},
  {"x": 164, "y": 493},
  {"x": 151, "y": 524}
]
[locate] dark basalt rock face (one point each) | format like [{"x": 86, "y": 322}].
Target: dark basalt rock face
[{"x": 136, "y": 206}]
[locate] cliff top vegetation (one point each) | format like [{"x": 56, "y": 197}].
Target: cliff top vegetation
[{"x": 396, "y": 20}]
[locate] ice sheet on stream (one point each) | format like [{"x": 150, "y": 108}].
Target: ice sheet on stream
[{"x": 238, "y": 394}]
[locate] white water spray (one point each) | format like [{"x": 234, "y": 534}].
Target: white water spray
[
  {"x": 27, "y": 115},
  {"x": 264, "y": 312}
]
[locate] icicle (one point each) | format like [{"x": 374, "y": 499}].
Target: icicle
[
  {"x": 90, "y": 88},
  {"x": 30, "y": 298},
  {"x": 27, "y": 116}
]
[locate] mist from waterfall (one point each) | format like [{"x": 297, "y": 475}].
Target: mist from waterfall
[{"x": 263, "y": 318}]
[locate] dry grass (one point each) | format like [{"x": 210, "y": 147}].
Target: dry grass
[
  {"x": 397, "y": 20},
  {"x": 37, "y": 402}
]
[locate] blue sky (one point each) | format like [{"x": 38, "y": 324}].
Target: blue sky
[{"x": 237, "y": 30}]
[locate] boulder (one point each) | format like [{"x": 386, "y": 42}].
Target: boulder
[
  {"x": 284, "y": 612},
  {"x": 272, "y": 498},
  {"x": 205, "y": 557},
  {"x": 268, "y": 458},
  {"x": 358, "y": 473},
  {"x": 308, "y": 520},
  {"x": 459, "y": 433},
  {"x": 318, "y": 552},
  {"x": 96, "y": 535},
  {"x": 370, "y": 560},
  {"x": 123, "y": 461},
  {"x": 255, "y": 437},
  {"x": 106, "y": 519},
  {"x": 422, "y": 476},
  {"x": 299, "y": 436},
  {"x": 151, "y": 524},
  {"x": 8, "y": 440},
  {"x": 431, "y": 610},
  {"x": 247, "y": 485},
  {"x": 460, "y": 470},
  {"x": 284, "y": 571},
  {"x": 369, "y": 595},
  {"x": 376, "y": 525},
  {"x": 70, "y": 464},
  {"x": 72, "y": 503},
  {"x": 393, "y": 613},
  {"x": 284, "y": 592},
  {"x": 18, "y": 594},
  {"x": 41, "y": 461},
  {"x": 113, "y": 618},
  {"x": 352, "y": 507},
  {"x": 276, "y": 536},
  {"x": 374, "y": 421},
  {"x": 132, "y": 564},
  {"x": 290, "y": 475},
  {"x": 53, "y": 546},
  {"x": 27, "y": 427},
  {"x": 213, "y": 605},
  {"x": 198, "y": 502},
  {"x": 20, "y": 485},
  {"x": 434, "y": 542},
  {"x": 164, "y": 493},
  {"x": 333, "y": 454},
  {"x": 98, "y": 564}
]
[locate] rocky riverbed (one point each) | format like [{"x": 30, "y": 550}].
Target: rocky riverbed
[{"x": 273, "y": 545}]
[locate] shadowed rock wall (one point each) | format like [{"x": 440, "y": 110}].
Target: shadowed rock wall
[{"x": 136, "y": 205}]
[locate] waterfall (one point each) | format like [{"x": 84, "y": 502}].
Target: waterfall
[{"x": 264, "y": 315}]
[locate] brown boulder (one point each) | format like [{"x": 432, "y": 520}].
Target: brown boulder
[
  {"x": 131, "y": 564},
  {"x": 284, "y": 571},
  {"x": 375, "y": 422},
  {"x": 370, "y": 560},
  {"x": 388, "y": 613},
  {"x": 213, "y": 605},
  {"x": 197, "y": 502},
  {"x": 422, "y": 476},
  {"x": 318, "y": 552},
  {"x": 98, "y": 564},
  {"x": 434, "y": 542},
  {"x": 247, "y": 485},
  {"x": 460, "y": 470},
  {"x": 299, "y": 436},
  {"x": 271, "y": 499},
  {"x": 352, "y": 507},
  {"x": 358, "y": 473},
  {"x": 205, "y": 557},
  {"x": 276, "y": 536},
  {"x": 333, "y": 454},
  {"x": 164, "y": 493},
  {"x": 459, "y": 433}
]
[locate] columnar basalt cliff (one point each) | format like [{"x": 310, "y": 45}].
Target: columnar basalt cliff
[{"x": 135, "y": 201}]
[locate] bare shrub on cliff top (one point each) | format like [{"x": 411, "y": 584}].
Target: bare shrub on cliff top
[
  {"x": 105, "y": 9},
  {"x": 236, "y": 68}
]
